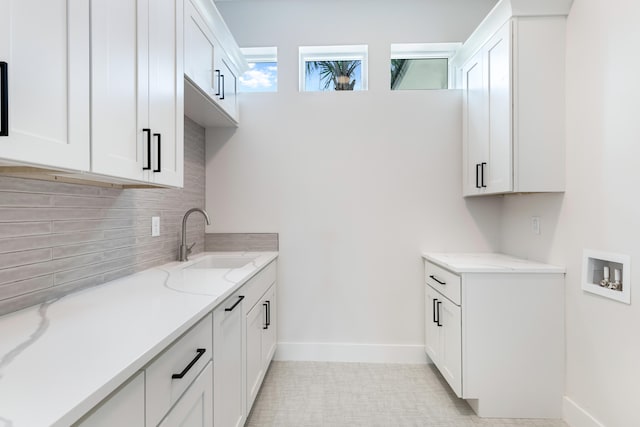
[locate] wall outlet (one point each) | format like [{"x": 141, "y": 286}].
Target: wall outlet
[
  {"x": 535, "y": 224},
  {"x": 155, "y": 226}
]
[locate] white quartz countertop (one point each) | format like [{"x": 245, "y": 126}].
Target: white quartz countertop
[
  {"x": 61, "y": 358},
  {"x": 488, "y": 263}
]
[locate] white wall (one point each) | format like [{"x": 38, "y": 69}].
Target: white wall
[
  {"x": 600, "y": 210},
  {"x": 357, "y": 184}
]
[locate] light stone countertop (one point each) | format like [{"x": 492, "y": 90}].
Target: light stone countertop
[
  {"x": 488, "y": 263},
  {"x": 61, "y": 358}
]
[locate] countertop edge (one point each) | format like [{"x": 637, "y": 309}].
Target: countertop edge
[{"x": 491, "y": 263}]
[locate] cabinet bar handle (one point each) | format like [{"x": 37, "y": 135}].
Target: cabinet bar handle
[
  {"x": 240, "y": 298},
  {"x": 266, "y": 316},
  {"x": 482, "y": 165},
  {"x": 268, "y": 313},
  {"x": 222, "y": 77},
  {"x": 437, "y": 280},
  {"x": 200, "y": 352},
  {"x": 438, "y": 311},
  {"x": 148, "y": 132},
  {"x": 4, "y": 102},
  {"x": 218, "y": 81},
  {"x": 477, "y": 175},
  {"x": 159, "y": 151},
  {"x": 435, "y": 319}
]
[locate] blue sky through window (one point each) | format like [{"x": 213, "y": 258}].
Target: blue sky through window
[{"x": 261, "y": 77}]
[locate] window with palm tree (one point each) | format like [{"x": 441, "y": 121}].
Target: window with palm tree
[
  {"x": 333, "y": 68},
  {"x": 333, "y": 75}
]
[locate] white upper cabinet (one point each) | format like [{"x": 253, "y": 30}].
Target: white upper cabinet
[
  {"x": 44, "y": 51},
  {"x": 511, "y": 71},
  {"x": 213, "y": 63},
  {"x": 137, "y": 92}
]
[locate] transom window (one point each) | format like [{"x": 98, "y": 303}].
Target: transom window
[
  {"x": 421, "y": 65},
  {"x": 262, "y": 75},
  {"x": 333, "y": 68}
]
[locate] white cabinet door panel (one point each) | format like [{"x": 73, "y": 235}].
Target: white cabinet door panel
[
  {"x": 256, "y": 322},
  {"x": 194, "y": 408},
  {"x": 431, "y": 329},
  {"x": 119, "y": 88},
  {"x": 166, "y": 87},
  {"x": 450, "y": 361},
  {"x": 474, "y": 124},
  {"x": 47, "y": 56},
  {"x": 499, "y": 174},
  {"x": 228, "y": 358}
]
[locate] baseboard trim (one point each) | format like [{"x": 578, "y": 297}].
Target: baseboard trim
[
  {"x": 339, "y": 352},
  {"x": 576, "y": 416}
]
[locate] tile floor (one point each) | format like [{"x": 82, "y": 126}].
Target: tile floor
[{"x": 359, "y": 394}]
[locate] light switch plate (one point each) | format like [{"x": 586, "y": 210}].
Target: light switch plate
[{"x": 155, "y": 226}]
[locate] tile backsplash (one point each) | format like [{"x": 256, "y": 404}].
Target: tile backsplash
[{"x": 56, "y": 237}]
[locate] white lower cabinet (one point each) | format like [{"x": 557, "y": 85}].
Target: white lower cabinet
[
  {"x": 228, "y": 393},
  {"x": 444, "y": 337},
  {"x": 125, "y": 407},
  {"x": 261, "y": 342},
  {"x": 210, "y": 375},
  {"x": 194, "y": 409},
  {"x": 496, "y": 334}
]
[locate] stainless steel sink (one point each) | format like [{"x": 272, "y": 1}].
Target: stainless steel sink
[{"x": 223, "y": 262}]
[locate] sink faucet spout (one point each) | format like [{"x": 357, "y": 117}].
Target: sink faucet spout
[{"x": 184, "y": 249}]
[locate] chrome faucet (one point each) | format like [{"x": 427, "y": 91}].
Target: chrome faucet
[{"x": 184, "y": 249}]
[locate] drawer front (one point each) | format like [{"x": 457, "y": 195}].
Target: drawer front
[
  {"x": 444, "y": 281},
  {"x": 162, "y": 389},
  {"x": 256, "y": 287}
]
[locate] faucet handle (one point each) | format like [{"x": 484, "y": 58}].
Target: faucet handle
[{"x": 190, "y": 247}]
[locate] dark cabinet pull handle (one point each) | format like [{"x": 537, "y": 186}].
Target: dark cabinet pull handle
[
  {"x": 218, "y": 81},
  {"x": 477, "y": 175},
  {"x": 438, "y": 311},
  {"x": 435, "y": 319},
  {"x": 266, "y": 316},
  {"x": 268, "y": 313},
  {"x": 482, "y": 165},
  {"x": 200, "y": 351},
  {"x": 222, "y": 77},
  {"x": 159, "y": 151},
  {"x": 437, "y": 280},
  {"x": 240, "y": 298},
  {"x": 148, "y": 132},
  {"x": 4, "y": 102}
]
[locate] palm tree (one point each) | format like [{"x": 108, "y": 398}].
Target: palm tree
[
  {"x": 337, "y": 72},
  {"x": 397, "y": 71}
]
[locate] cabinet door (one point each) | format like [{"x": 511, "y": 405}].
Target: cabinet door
[
  {"x": 256, "y": 324},
  {"x": 431, "y": 328},
  {"x": 124, "y": 408},
  {"x": 199, "y": 49},
  {"x": 45, "y": 45},
  {"x": 119, "y": 88},
  {"x": 450, "y": 360},
  {"x": 194, "y": 409},
  {"x": 166, "y": 91},
  {"x": 269, "y": 336},
  {"x": 499, "y": 173},
  {"x": 474, "y": 122},
  {"x": 228, "y": 352},
  {"x": 227, "y": 86}
]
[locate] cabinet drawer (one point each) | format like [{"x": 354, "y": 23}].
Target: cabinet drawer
[
  {"x": 444, "y": 281},
  {"x": 255, "y": 288},
  {"x": 162, "y": 389}
]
